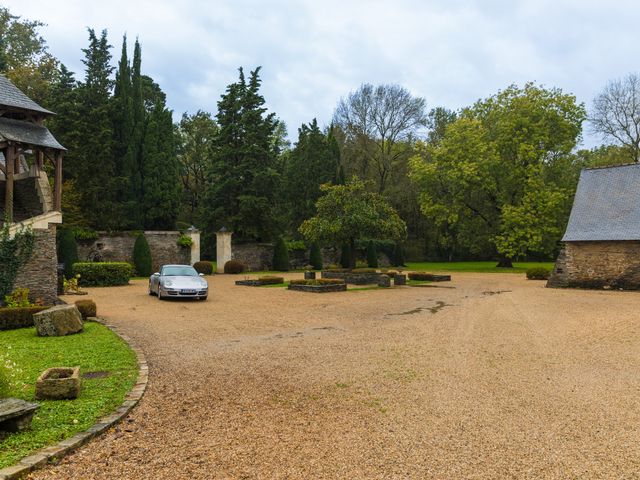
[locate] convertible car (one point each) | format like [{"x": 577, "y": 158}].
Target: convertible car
[{"x": 178, "y": 281}]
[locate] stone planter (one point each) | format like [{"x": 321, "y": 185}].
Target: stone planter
[
  {"x": 16, "y": 414},
  {"x": 384, "y": 281},
  {"x": 339, "y": 287},
  {"x": 308, "y": 275},
  {"x": 399, "y": 279},
  {"x": 58, "y": 383},
  {"x": 354, "y": 278}
]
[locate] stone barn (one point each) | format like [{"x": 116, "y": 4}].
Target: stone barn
[
  {"x": 26, "y": 197},
  {"x": 602, "y": 241}
]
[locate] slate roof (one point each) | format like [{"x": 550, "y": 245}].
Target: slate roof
[
  {"x": 28, "y": 133},
  {"x": 606, "y": 205},
  {"x": 12, "y": 96}
]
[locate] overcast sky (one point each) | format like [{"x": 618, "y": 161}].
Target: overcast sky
[{"x": 451, "y": 52}]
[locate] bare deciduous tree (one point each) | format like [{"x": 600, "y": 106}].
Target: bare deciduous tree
[
  {"x": 616, "y": 114},
  {"x": 377, "y": 120}
]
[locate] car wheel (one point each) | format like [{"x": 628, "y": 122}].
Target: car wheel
[
  {"x": 203, "y": 298},
  {"x": 159, "y": 294},
  {"x": 151, "y": 291}
]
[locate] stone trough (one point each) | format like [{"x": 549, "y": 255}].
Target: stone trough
[{"x": 58, "y": 383}]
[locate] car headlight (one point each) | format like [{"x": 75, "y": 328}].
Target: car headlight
[{"x": 167, "y": 283}]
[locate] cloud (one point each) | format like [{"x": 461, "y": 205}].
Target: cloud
[{"x": 312, "y": 53}]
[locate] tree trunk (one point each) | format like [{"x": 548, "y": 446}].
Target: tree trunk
[{"x": 504, "y": 262}]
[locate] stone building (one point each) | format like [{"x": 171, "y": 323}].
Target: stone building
[
  {"x": 26, "y": 199},
  {"x": 602, "y": 240}
]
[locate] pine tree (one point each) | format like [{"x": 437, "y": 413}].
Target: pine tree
[
  {"x": 372, "y": 255},
  {"x": 243, "y": 180},
  {"x": 315, "y": 256},
  {"x": 280, "y": 256},
  {"x": 95, "y": 167},
  {"x": 345, "y": 256},
  {"x": 398, "y": 255},
  {"x": 67, "y": 250}
]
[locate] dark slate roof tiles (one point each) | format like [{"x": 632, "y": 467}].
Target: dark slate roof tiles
[
  {"x": 606, "y": 205},
  {"x": 12, "y": 96},
  {"x": 27, "y": 133}
]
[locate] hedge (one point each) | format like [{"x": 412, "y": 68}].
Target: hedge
[
  {"x": 420, "y": 276},
  {"x": 538, "y": 273},
  {"x": 364, "y": 270},
  {"x": 318, "y": 281},
  {"x": 270, "y": 280},
  {"x": 203, "y": 266},
  {"x": 103, "y": 274},
  {"x": 21, "y": 317},
  {"x": 234, "y": 267}
]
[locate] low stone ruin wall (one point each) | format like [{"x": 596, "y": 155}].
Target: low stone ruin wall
[
  {"x": 354, "y": 278},
  {"x": 118, "y": 247},
  {"x": 40, "y": 274},
  {"x": 610, "y": 264}
]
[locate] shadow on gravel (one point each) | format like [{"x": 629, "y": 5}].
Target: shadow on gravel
[{"x": 435, "y": 309}]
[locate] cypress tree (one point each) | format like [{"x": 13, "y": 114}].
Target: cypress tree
[
  {"x": 142, "y": 256},
  {"x": 345, "y": 256},
  {"x": 372, "y": 255},
  {"x": 281, "y": 256},
  {"x": 398, "y": 255},
  {"x": 315, "y": 256},
  {"x": 67, "y": 250}
]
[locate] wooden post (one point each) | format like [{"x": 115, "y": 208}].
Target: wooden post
[
  {"x": 9, "y": 156},
  {"x": 57, "y": 203},
  {"x": 40, "y": 160}
]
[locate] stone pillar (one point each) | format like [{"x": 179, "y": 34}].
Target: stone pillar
[
  {"x": 223, "y": 248},
  {"x": 194, "y": 234}
]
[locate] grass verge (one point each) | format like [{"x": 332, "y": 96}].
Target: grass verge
[{"x": 97, "y": 349}]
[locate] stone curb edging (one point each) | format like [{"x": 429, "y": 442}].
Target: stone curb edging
[{"x": 55, "y": 452}]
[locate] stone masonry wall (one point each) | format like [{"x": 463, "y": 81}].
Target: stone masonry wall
[
  {"x": 39, "y": 274},
  {"x": 598, "y": 265},
  {"x": 118, "y": 247}
]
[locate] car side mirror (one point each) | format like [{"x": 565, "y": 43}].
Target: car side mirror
[
  {"x": 156, "y": 274},
  {"x": 201, "y": 274}
]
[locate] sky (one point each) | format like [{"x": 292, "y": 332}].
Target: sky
[{"x": 312, "y": 53}]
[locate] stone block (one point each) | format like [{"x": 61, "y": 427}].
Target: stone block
[
  {"x": 308, "y": 275},
  {"x": 58, "y": 321},
  {"x": 399, "y": 279},
  {"x": 58, "y": 383},
  {"x": 384, "y": 281}
]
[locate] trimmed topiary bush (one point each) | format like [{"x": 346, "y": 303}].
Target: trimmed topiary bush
[
  {"x": 315, "y": 256},
  {"x": 22, "y": 317},
  {"x": 281, "y": 256},
  {"x": 420, "y": 276},
  {"x": 538, "y": 273},
  {"x": 142, "y": 256},
  {"x": 398, "y": 256},
  {"x": 87, "y": 308},
  {"x": 102, "y": 274},
  {"x": 372, "y": 255},
  {"x": 204, "y": 266},
  {"x": 345, "y": 256},
  {"x": 67, "y": 250},
  {"x": 234, "y": 267}
]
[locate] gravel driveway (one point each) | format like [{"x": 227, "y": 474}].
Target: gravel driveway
[{"x": 488, "y": 376}]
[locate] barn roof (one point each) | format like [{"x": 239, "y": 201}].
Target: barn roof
[
  {"x": 606, "y": 205},
  {"x": 12, "y": 96},
  {"x": 27, "y": 133}
]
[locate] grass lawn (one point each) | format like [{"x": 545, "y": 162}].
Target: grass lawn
[
  {"x": 96, "y": 349},
  {"x": 483, "y": 267}
]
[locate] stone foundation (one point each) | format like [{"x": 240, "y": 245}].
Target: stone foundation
[
  {"x": 118, "y": 247},
  {"x": 39, "y": 274},
  {"x": 604, "y": 264}
]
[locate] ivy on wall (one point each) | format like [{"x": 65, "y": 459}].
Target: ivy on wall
[{"x": 14, "y": 253}]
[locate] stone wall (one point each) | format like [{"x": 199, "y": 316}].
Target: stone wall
[
  {"x": 611, "y": 264},
  {"x": 40, "y": 274},
  {"x": 118, "y": 247}
]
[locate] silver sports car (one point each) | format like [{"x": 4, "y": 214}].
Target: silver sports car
[{"x": 178, "y": 281}]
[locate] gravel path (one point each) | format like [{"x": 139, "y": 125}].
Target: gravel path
[{"x": 489, "y": 376}]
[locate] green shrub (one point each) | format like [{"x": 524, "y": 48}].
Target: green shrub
[
  {"x": 345, "y": 256},
  {"x": 22, "y": 317},
  {"x": 87, "y": 308},
  {"x": 420, "y": 276},
  {"x": 372, "y": 255},
  {"x": 538, "y": 273},
  {"x": 315, "y": 256},
  {"x": 398, "y": 256},
  {"x": 234, "y": 267},
  {"x": 281, "y": 256},
  {"x": 142, "y": 256},
  {"x": 296, "y": 245},
  {"x": 184, "y": 241},
  {"x": 364, "y": 270},
  {"x": 18, "y": 298},
  {"x": 204, "y": 266},
  {"x": 102, "y": 274},
  {"x": 85, "y": 234},
  {"x": 67, "y": 250},
  {"x": 270, "y": 280}
]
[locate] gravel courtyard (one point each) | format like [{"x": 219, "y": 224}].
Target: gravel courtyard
[{"x": 488, "y": 376}]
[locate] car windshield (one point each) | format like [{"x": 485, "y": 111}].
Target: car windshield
[{"x": 179, "y": 271}]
